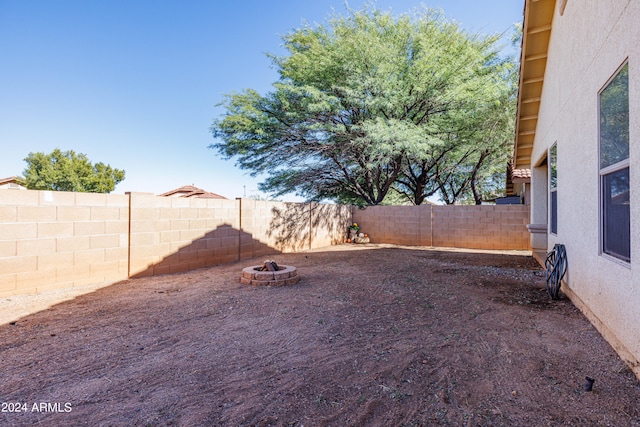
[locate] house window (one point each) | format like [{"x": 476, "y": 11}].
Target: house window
[
  {"x": 553, "y": 187},
  {"x": 614, "y": 166}
]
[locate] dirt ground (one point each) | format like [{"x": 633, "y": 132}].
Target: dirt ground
[{"x": 372, "y": 335}]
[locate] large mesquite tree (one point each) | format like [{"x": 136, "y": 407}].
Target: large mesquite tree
[{"x": 365, "y": 104}]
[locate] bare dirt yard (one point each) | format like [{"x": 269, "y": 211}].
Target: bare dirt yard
[{"x": 372, "y": 335}]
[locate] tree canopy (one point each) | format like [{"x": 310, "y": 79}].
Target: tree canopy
[
  {"x": 68, "y": 171},
  {"x": 371, "y": 103}
]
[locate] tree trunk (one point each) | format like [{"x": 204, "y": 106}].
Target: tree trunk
[{"x": 474, "y": 178}]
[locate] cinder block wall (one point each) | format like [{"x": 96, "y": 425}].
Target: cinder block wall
[
  {"x": 329, "y": 224},
  {"x": 255, "y": 221},
  {"x": 59, "y": 239},
  {"x": 51, "y": 239},
  {"x": 171, "y": 235},
  {"x": 401, "y": 225},
  {"x": 481, "y": 227},
  {"x": 270, "y": 227},
  {"x": 474, "y": 227}
]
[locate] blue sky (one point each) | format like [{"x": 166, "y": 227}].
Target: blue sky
[{"x": 136, "y": 83}]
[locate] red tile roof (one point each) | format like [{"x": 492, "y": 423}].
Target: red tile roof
[
  {"x": 191, "y": 191},
  {"x": 8, "y": 180},
  {"x": 521, "y": 175},
  {"x": 12, "y": 182}
]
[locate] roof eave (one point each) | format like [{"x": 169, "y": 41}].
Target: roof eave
[{"x": 536, "y": 33}]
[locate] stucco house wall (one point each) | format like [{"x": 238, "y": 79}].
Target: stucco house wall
[{"x": 589, "y": 42}]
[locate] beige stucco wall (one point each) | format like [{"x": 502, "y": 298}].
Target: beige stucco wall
[{"x": 589, "y": 43}]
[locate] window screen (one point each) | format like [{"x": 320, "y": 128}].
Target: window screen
[{"x": 614, "y": 166}]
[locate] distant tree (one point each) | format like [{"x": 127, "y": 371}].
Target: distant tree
[
  {"x": 68, "y": 171},
  {"x": 365, "y": 104}
]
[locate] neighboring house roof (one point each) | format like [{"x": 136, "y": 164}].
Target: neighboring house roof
[
  {"x": 521, "y": 176},
  {"x": 11, "y": 183},
  {"x": 536, "y": 32},
  {"x": 191, "y": 191},
  {"x": 516, "y": 176}
]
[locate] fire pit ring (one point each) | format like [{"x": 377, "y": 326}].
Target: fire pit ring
[{"x": 286, "y": 275}]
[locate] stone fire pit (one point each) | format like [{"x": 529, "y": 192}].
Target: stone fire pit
[{"x": 270, "y": 274}]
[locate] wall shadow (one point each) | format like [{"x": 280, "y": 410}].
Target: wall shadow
[{"x": 223, "y": 245}]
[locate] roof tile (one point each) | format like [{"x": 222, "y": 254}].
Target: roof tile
[{"x": 191, "y": 191}]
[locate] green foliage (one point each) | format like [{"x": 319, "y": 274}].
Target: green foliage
[
  {"x": 371, "y": 102},
  {"x": 68, "y": 171}
]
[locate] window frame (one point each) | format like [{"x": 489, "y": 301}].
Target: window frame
[
  {"x": 604, "y": 172},
  {"x": 553, "y": 188}
]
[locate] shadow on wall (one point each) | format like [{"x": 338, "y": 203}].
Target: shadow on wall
[
  {"x": 297, "y": 227},
  {"x": 264, "y": 230},
  {"x": 225, "y": 244}
]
